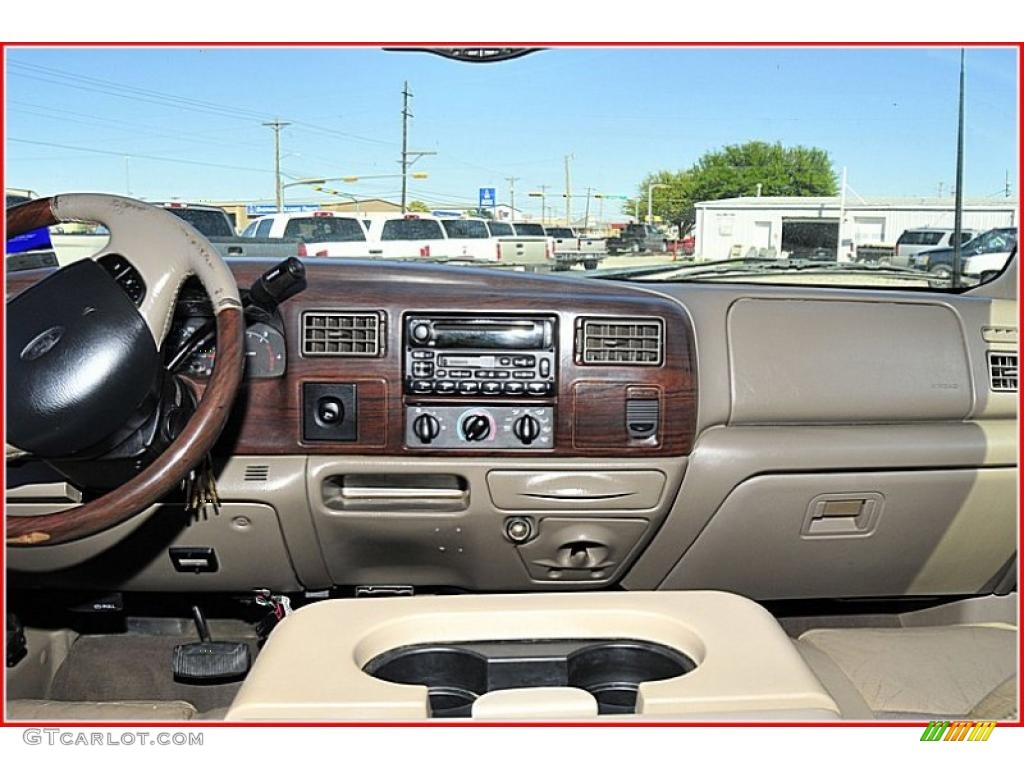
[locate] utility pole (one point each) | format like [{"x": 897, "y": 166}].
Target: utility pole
[
  {"x": 586, "y": 214},
  {"x": 1006, "y": 185},
  {"x": 959, "y": 204},
  {"x": 568, "y": 192},
  {"x": 512, "y": 195},
  {"x": 842, "y": 219},
  {"x": 543, "y": 204},
  {"x": 406, "y": 114},
  {"x": 405, "y": 162},
  {"x": 277, "y": 125}
]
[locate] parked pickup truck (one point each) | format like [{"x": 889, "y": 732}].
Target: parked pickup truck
[
  {"x": 638, "y": 238},
  {"x": 318, "y": 233},
  {"x": 571, "y": 246},
  {"x": 528, "y": 251},
  {"x": 214, "y": 224}
]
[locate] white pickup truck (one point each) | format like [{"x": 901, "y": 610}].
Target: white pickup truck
[
  {"x": 573, "y": 248},
  {"x": 408, "y": 237},
  {"x": 320, "y": 233}
]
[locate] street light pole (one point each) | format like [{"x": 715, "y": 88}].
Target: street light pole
[
  {"x": 568, "y": 192},
  {"x": 512, "y": 194},
  {"x": 650, "y": 200}
]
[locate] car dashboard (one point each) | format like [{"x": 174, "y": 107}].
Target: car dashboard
[{"x": 412, "y": 428}]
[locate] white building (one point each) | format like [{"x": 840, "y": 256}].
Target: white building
[{"x": 798, "y": 225}]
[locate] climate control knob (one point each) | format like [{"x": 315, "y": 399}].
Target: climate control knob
[
  {"x": 476, "y": 427},
  {"x": 426, "y": 427},
  {"x": 526, "y": 429}
]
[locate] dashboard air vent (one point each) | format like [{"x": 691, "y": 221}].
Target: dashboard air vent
[
  {"x": 256, "y": 473},
  {"x": 1002, "y": 370},
  {"x": 619, "y": 341},
  {"x": 343, "y": 334}
]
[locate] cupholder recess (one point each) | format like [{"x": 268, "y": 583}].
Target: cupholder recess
[{"x": 456, "y": 674}]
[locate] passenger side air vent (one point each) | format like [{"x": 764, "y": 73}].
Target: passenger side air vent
[
  {"x": 619, "y": 341},
  {"x": 1002, "y": 371},
  {"x": 343, "y": 334},
  {"x": 256, "y": 473}
]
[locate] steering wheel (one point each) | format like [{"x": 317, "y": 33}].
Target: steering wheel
[{"x": 83, "y": 354}]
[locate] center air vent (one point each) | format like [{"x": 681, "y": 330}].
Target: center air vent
[
  {"x": 1002, "y": 370},
  {"x": 619, "y": 341},
  {"x": 343, "y": 334}
]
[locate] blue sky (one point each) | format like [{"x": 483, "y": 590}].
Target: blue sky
[{"x": 888, "y": 115}]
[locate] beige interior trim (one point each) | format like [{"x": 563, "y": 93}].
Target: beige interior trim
[
  {"x": 311, "y": 668},
  {"x": 535, "y": 704}
]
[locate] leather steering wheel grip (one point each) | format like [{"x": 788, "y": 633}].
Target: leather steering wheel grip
[{"x": 166, "y": 234}]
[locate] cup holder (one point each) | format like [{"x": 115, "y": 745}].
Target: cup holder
[
  {"x": 612, "y": 672},
  {"x": 454, "y": 676},
  {"x": 457, "y": 674}
]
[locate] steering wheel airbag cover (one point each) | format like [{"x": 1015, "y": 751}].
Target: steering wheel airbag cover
[{"x": 80, "y": 362}]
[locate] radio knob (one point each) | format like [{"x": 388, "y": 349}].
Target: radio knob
[
  {"x": 426, "y": 427},
  {"x": 527, "y": 429},
  {"x": 421, "y": 332},
  {"x": 476, "y": 427}
]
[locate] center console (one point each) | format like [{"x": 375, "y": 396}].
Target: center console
[
  {"x": 508, "y": 360},
  {"x": 662, "y": 655}
]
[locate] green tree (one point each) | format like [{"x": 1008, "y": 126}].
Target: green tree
[
  {"x": 418, "y": 206},
  {"x": 736, "y": 171}
]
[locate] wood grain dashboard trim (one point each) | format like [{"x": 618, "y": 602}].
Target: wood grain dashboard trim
[{"x": 267, "y": 417}]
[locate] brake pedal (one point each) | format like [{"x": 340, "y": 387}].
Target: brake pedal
[{"x": 209, "y": 661}]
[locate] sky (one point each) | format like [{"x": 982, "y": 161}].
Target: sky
[{"x": 186, "y": 123}]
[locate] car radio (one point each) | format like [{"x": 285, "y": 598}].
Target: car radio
[{"x": 480, "y": 356}]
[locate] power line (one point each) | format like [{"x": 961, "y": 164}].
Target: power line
[{"x": 114, "y": 153}]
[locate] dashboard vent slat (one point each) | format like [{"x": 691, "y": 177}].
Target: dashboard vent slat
[
  {"x": 620, "y": 341},
  {"x": 1002, "y": 371},
  {"x": 343, "y": 334}
]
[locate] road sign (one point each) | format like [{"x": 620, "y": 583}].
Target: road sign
[
  {"x": 488, "y": 199},
  {"x": 264, "y": 209}
]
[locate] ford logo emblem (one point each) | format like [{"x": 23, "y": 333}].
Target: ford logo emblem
[{"x": 42, "y": 343}]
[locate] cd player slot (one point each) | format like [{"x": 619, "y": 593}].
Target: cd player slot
[{"x": 485, "y": 356}]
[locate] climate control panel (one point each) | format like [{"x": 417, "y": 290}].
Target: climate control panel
[{"x": 494, "y": 427}]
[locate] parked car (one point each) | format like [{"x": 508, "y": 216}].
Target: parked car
[
  {"x": 215, "y": 224},
  {"x": 528, "y": 251},
  {"x": 408, "y": 236},
  {"x": 320, "y": 233},
  {"x": 992, "y": 255},
  {"x": 914, "y": 241},
  {"x": 995, "y": 244},
  {"x": 470, "y": 239},
  {"x": 574, "y": 248},
  {"x": 638, "y": 238}
]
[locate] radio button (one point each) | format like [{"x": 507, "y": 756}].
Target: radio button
[
  {"x": 522, "y": 362},
  {"x": 422, "y": 354},
  {"x": 506, "y": 361},
  {"x": 422, "y": 387},
  {"x": 514, "y": 387},
  {"x": 444, "y": 387},
  {"x": 537, "y": 388},
  {"x": 469, "y": 387},
  {"x": 491, "y": 388},
  {"x": 421, "y": 370},
  {"x": 545, "y": 368},
  {"x": 441, "y": 374},
  {"x": 499, "y": 374},
  {"x": 459, "y": 374},
  {"x": 523, "y": 374}
]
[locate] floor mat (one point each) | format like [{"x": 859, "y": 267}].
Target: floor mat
[{"x": 134, "y": 667}]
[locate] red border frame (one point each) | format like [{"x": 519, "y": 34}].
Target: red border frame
[{"x": 191, "y": 724}]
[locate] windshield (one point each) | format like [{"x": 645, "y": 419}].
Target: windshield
[
  {"x": 639, "y": 159},
  {"x": 463, "y": 228},
  {"x": 325, "y": 229}
]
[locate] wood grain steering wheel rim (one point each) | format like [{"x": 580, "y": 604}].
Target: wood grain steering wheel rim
[{"x": 203, "y": 428}]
